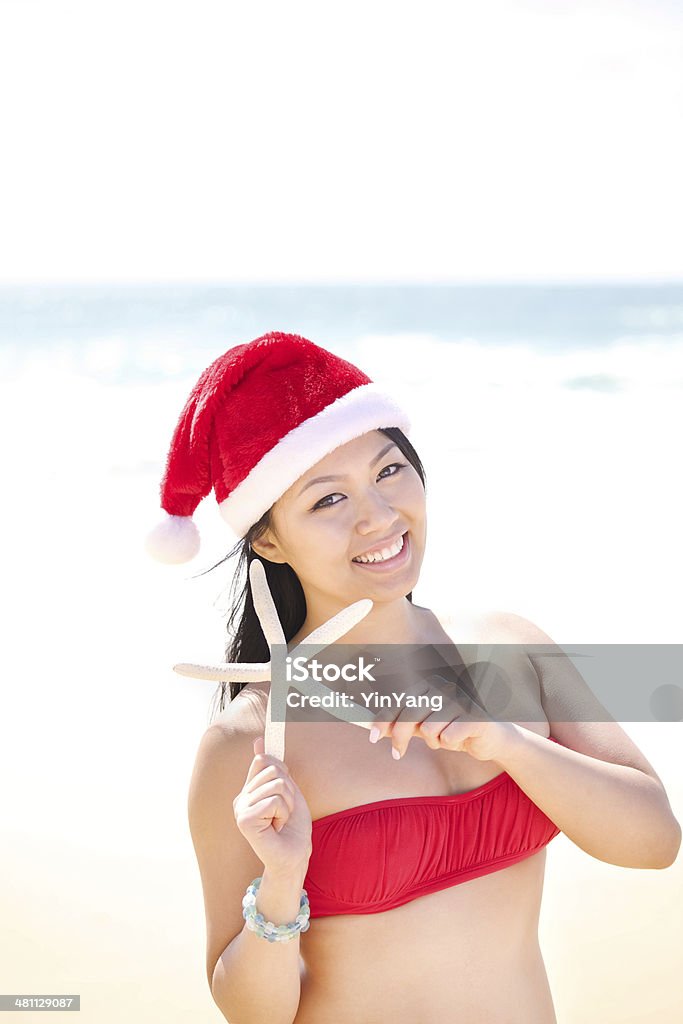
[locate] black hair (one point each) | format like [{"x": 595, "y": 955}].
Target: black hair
[{"x": 246, "y": 641}]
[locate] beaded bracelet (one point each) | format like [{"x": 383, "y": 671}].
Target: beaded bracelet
[{"x": 266, "y": 929}]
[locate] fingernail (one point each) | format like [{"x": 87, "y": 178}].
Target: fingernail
[
  {"x": 396, "y": 754},
  {"x": 374, "y": 734}
]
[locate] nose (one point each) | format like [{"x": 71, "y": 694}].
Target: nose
[{"x": 375, "y": 515}]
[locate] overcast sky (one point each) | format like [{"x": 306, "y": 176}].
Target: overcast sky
[{"x": 354, "y": 141}]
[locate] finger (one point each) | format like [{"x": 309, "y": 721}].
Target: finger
[
  {"x": 430, "y": 730},
  {"x": 273, "y": 787},
  {"x": 405, "y": 726},
  {"x": 401, "y": 734},
  {"x": 261, "y": 760},
  {"x": 268, "y": 773},
  {"x": 258, "y": 759},
  {"x": 381, "y": 728},
  {"x": 268, "y": 811},
  {"x": 455, "y": 735}
]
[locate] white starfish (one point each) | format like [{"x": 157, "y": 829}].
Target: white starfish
[{"x": 328, "y": 633}]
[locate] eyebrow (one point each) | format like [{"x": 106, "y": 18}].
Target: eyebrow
[{"x": 325, "y": 479}]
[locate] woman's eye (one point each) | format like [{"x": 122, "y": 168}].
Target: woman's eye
[
  {"x": 398, "y": 465},
  {"x": 325, "y": 503}
]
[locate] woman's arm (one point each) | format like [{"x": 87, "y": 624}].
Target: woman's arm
[
  {"x": 255, "y": 980},
  {"x": 251, "y": 980},
  {"x": 615, "y": 813},
  {"x": 597, "y": 787}
]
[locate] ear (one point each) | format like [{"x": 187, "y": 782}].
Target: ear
[{"x": 267, "y": 549}]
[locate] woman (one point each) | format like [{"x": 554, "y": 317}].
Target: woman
[{"x": 437, "y": 919}]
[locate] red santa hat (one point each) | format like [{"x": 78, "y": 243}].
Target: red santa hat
[{"x": 258, "y": 417}]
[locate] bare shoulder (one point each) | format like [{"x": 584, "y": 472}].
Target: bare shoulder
[
  {"x": 513, "y": 627},
  {"x": 477, "y": 625},
  {"x": 225, "y": 752},
  {"x": 508, "y": 627},
  {"x": 576, "y": 717},
  {"x": 492, "y": 625},
  {"x": 245, "y": 715}
]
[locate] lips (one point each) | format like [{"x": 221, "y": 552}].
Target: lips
[
  {"x": 381, "y": 546},
  {"x": 390, "y": 563}
]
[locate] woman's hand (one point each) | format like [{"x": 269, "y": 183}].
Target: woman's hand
[
  {"x": 272, "y": 814},
  {"x": 484, "y": 739}
]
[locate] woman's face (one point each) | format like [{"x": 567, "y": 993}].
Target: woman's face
[{"x": 375, "y": 501}]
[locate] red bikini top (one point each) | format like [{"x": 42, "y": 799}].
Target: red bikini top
[{"x": 383, "y": 854}]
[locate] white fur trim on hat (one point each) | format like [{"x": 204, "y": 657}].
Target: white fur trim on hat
[{"x": 365, "y": 408}]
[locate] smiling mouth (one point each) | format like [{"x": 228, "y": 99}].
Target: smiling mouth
[{"x": 395, "y": 560}]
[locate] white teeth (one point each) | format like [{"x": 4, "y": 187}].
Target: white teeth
[{"x": 381, "y": 556}]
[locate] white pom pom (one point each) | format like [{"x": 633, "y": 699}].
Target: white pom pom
[{"x": 174, "y": 540}]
